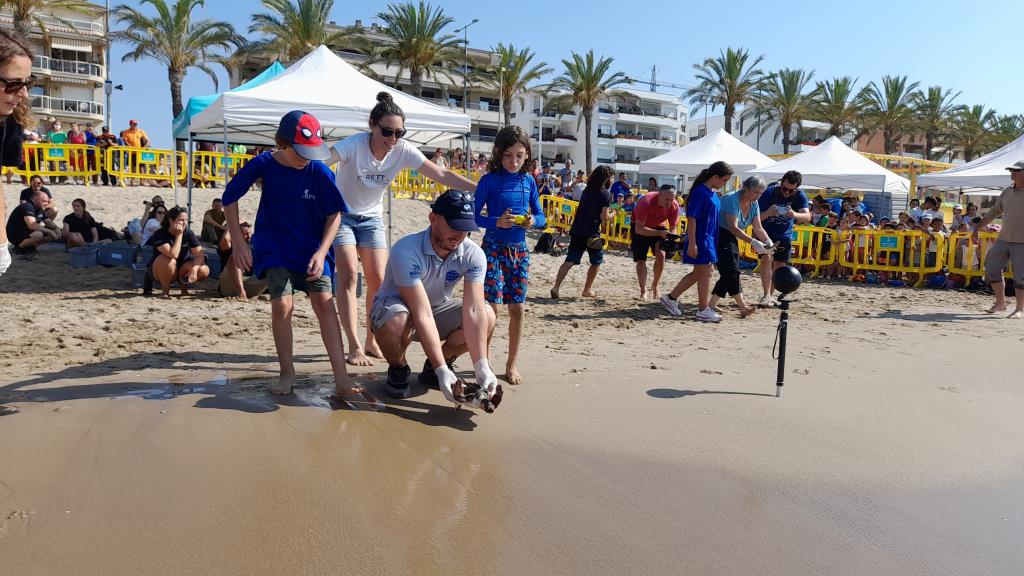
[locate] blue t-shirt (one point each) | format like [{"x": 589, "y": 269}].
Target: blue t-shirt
[
  {"x": 779, "y": 227},
  {"x": 703, "y": 206},
  {"x": 619, "y": 188},
  {"x": 731, "y": 205},
  {"x": 294, "y": 207},
  {"x": 500, "y": 191}
]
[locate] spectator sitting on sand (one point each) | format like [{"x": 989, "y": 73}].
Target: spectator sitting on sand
[
  {"x": 214, "y": 223},
  {"x": 154, "y": 222},
  {"x": 79, "y": 226},
  {"x": 177, "y": 254},
  {"x": 26, "y": 229},
  {"x": 35, "y": 183}
]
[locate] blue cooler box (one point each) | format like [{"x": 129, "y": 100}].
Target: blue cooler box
[
  {"x": 213, "y": 261},
  {"x": 117, "y": 254},
  {"x": 83, "y": 256},
  {"x": 138, "y": 275}
]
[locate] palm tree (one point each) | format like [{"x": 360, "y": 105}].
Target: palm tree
[
  {"x": 836, "y": 103},
  {"x": 1008, "y": 127},
  {"x": 890, "y": 108},
  {"x": 934, "y": 111},
  {"x": 783, "y": 99},
  {"x": 418, "y": 44},
  {"x": 585, "y": 82},
  {"x": 175, "y": 40},
  {"x": 293, "y": 29},
  {"x": 972, "y": 132},
  {"x": 512, "y": 74},
  {"x": 727, "y": 80},
  {"x": 25, "y": 14}
]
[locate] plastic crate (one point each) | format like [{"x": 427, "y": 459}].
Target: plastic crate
[
  {"x": 213, "y": 261},
  {"x": 138, "y": 274},
  {"x": 84, "y": 256},
  {"x": 117, "y": 254}
]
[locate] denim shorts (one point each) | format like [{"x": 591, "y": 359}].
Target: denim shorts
[
  {"x": 361, "y": 231},
  {"x": 283, "y": 282}
]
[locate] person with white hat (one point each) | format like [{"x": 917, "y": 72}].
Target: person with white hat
[{"x": 1009, "y": 246}]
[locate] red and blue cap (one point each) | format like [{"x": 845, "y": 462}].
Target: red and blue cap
[{"x": 302, "y": 130}]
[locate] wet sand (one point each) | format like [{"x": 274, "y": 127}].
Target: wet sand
[{"x": 138, "y": 439}]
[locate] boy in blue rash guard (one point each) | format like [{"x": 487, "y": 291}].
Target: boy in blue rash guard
[
  {"x": 296, "y": 222},
  {"x": 702, "y": 208},
  {"x": 512, "y": 201}
]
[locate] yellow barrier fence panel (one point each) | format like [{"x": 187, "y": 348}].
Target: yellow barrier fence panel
[
  {"x": 143, "y": 164},
  {"x": 209, "y": 167},
  {"x": 891, "y": 251},
  {"x": 966, "y": 258},
  {"x": 60, "y": 160},
  {"x": 812, "y": 246}
]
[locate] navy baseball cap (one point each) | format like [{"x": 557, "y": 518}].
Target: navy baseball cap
[
  {"x": 457, "y": 208},
  {"x": 302, "y": 131}
]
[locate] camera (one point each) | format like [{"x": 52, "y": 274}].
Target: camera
[{"x": 672, "y": 244}]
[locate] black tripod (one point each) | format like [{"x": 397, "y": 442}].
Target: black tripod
[{"x": 780, "y": 335}]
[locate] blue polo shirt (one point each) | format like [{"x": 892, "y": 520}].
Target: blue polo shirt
[
  {"x": 619, "y": 188},
  {"x": 294, "y": 207},
  {"x": 779, "y": 227}
]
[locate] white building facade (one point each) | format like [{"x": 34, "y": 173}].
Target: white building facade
[
  {"x": 626, "y": 130},
  {"x": 768, "y": 142}
]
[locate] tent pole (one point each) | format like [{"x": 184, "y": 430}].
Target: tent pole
[
  {"x": 188, "y": 177},
  {"x": 390, "y": 195},
  {"x": 224, "y": 122}
]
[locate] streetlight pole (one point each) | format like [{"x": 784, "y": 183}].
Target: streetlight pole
[
  {"x": 108, "y": 86},
  {"x": 465, "y": 75},
  {"x": 501, "y": 97}
]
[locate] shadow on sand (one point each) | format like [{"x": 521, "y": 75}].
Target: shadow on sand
[{"x": 673, "y": 393}]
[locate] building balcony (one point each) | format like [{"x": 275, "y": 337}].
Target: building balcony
[
  {"x": 645, "y": 142},
  {"x": 639, "y": 117},
  {"x": 50, "y": 66},
  {"x": 68, "y": 108},
  {"x": 60, "y": 28},
  {"x": 556, "y": 114},
  {"x": 479, "y": 112}
]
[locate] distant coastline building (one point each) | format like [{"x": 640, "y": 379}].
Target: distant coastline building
[{"x": 70, "y": 65}]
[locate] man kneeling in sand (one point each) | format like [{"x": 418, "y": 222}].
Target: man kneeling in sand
[{"x": 415, "y": 301}]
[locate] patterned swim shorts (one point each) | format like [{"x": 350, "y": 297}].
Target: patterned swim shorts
[{"x": 508, "y": 271}]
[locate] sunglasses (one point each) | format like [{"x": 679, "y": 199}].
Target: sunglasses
[
  {"x": 789, "y": 190},
  {"x": 389, "y": 132},
  {"x": 161, "y": 211},
  {"x": 15, "y": 86},
  {"x": 459, "y": 195}
]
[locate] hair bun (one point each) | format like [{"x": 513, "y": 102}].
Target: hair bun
[{"x": 384, "y": 97}]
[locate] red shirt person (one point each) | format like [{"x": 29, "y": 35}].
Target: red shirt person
[{"x": 655, "y": 216}]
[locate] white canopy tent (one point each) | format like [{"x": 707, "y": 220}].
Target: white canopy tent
[
  {"x": 690, "y": 159},
  {"x": 987, "y": 172},
  {"x": 333, "y": 91},
  {"x": 833, "y": 164}
]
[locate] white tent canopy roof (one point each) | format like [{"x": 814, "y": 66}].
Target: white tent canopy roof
[
  {"x": 689, "y": 160},
  {"x": 833, "y": 164},
  {"x": 324, "y": 85},
  {"x": 989, "y": 171}
]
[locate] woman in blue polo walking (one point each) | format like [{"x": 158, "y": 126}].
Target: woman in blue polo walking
[{"x": 509, "y": 196}]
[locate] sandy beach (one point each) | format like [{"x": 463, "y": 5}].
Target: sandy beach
[{"x": 138, "y": 438}]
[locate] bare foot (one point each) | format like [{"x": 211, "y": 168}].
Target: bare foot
[
  {"x": 184, "y": 290},
  {"x": 643, "y": 295},
  {"x": 512, "y": 375},
  {"x": 165, "y": 295},
  {"x": 996, "y": 308},
  {"x": 1016, "y": 315},
  {"x": 283, "y": 386},
  {"x": 358, "y": 358},
  {"x": 589, "y": 294},
  {"x": 554, "y": 294},
  {"x": 373, "y": 350},
  {"x": 747, "y": 311},
  {"x": 717, "y": 309},
  {"x": 243, "y": 298},
  {"x": 655, "y": 293}
]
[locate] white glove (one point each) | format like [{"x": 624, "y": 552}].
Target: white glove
[
  {"x": 485, "y": 376},
  {"x": 445, "y": 380},
  {"x": 5, "y": 258},
  {"x": 758, "y": 246},
  {"x": 769, "y": 245}
]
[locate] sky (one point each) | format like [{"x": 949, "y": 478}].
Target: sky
[{"x": 971, "y": 47}]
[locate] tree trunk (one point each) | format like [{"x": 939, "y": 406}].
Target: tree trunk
[
  {"x": 176, "y": 77},
  {"x": 588, "y": 117},
  {"x": 929, "y": 142},
  {"x": 506, "y": 106},
  {"x": 729, "y": 111},
  {"x": 22, "y": 29},
  {"x": 785, "y": 139},
  {"x": 887, "y": 141},
  {"x": 416, "y": 80}
]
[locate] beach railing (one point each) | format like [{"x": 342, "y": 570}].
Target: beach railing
[
  {"x": 811, "y": 246},
  {"x": 209, "y": 167},
  {"x": 60, "y": 160},
  {"x": 893, "y": 251},
  {"x": 148, "y": 164},
  {"x": 411, "y": 184},
  {"x": 966, "y": 258}
]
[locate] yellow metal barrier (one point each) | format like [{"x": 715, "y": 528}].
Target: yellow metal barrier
[
  {"x": 144, "y": 164},
  {"x": 209, "y": 167},
  {"x": 812, "y": 246},
  {"x": 966, "y": 258},
  {"x": 60, "y": 160},
  {"x": 892, "y": 251},
  {"x": 412, "y": 184}
]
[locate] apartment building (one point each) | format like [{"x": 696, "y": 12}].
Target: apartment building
[
  {"x": 627, "y": 129},
  {"x": 482, "y": 103},
  {"x": 811, "y": 133},
  {"x": 70, "y": 65}
]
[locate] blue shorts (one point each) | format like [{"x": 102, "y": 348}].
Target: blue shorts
[
  {"x": 361, "y": 231},
  {"x": 577, "y": 245},
  {"x": 508, "y": 271}
]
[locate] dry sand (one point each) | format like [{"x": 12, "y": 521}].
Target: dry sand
[{"x": 137, "y": 437}]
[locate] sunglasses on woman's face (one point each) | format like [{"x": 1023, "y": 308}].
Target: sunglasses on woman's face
[
  {"x": 161, "y": 212},
  {"x": 389, "y": 132},
  {"x": 15, "y": 86}
]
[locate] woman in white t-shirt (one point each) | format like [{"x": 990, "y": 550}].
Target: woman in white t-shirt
[
  {"x": 367, "y": 164},
  {"x": 154, "y": 222}
]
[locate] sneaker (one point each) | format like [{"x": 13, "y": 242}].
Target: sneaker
[
  {"x": 428, "y": 378},
  {"x": 707, "y": 315},
  {"x": 766, "y": 301},
  {"x": 397, "y": 384},
  {"x": 671, "y": 305}
]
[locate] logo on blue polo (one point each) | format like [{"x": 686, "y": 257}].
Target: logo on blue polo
[
  {"x": 452, "y": 276},
  {"x": 414, "y": 272},
  {"x": 307, "y": 196}
]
